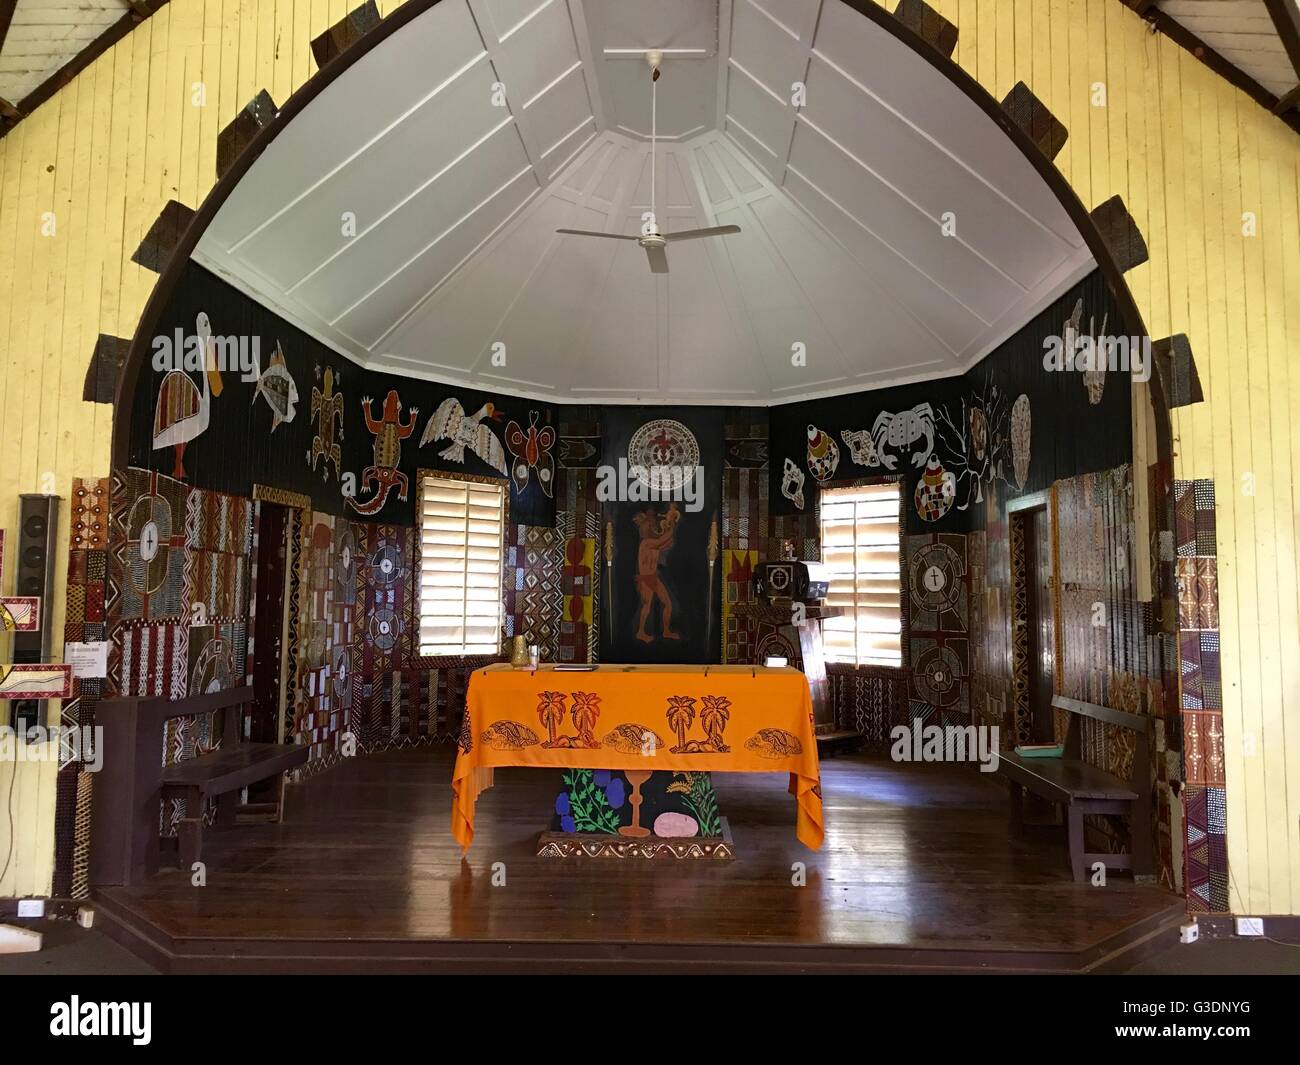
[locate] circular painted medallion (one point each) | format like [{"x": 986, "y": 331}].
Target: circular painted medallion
[
  {"x": 938, "y": 675},
  {"x": 668, "y": 445}
]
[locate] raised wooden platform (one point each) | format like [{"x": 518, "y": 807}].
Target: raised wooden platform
[{"x": 918, "y": 874}]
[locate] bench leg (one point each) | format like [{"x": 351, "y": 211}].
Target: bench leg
[
  {"x": 189, "y": 833},
  {"x": 1017, "y": 809},
  {"x": 1140, "y": 839},
  {"x": 226, "y": 806},
  {"x": 1074, "y": 834}
]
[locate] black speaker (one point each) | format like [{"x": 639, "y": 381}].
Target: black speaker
[{"x": 38, "y": 522}]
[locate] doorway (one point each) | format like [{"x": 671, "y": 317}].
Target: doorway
[
  {"x": 1033, "y": 620},
  {"x": 271, "y": 651}
]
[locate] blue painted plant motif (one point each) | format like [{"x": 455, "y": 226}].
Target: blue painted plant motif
[
  {"x": 562, "y": 803},
  {"x": 601, "y": 778},
  {"x": 615, "y": 793},
  {"x": 567, "y": 824},
  {"x": 587, "y": 806}
]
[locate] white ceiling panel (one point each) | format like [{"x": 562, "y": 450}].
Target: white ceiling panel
[
  {"x": 922, "y": 96},
  {"x": 436, "y": 210},
  {"x": 796, "y": 17},
  {"x": 907, "y": 231},
  {"x": 556, "y": 114},
  {"x": 907, "y": 161},
  {"x": 532, "y": 55},
  {"x": 457, "y": 200},
  {"x": 768, "y": 51},
  {"x": 351, "y": 114},
  {"x": 379, "y": 309},
  {"x": 766, "y": 118},
  {"x": 411, "y": 156}
]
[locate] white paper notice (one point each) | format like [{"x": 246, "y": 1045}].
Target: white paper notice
[{"x": 87, "y": 659}]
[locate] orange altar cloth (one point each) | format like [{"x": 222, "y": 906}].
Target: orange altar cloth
[{"x": 717, "y": 719}]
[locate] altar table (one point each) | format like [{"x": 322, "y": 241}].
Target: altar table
[{"x": 719, "y": 719}]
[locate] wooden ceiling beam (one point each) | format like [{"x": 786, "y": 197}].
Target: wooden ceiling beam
[
  {"x": 1234, "y": 75},
  {"x": 6, "y": 16},
  {"x": 74, "y": 66},
  {"x": 1287, "y": 22}
]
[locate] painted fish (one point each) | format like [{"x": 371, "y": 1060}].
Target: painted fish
[{"x": 278, "y": 389}]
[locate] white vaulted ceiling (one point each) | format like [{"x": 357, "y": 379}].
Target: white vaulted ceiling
[{"x": 841, "y": 201}]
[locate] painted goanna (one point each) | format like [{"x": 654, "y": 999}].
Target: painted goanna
[{"x": 389, "y": 434}]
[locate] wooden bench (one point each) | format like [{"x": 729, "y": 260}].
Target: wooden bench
[
  {"x": 1082, "y": 789},
  {"x": 133, "y": 780}
]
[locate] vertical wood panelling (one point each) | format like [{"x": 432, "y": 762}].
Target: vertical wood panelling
[
  {"x": 105, "y": 154},
  {"x": 1189, "y": 154}
]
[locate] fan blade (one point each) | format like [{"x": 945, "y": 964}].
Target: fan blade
[
  {"x": 590, "y": 233},
  {"x": 694, "y": 234},
  {"x": 658, "y": 260}
]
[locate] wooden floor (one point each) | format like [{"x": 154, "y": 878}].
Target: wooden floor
[{"x": 917, "y": 872}]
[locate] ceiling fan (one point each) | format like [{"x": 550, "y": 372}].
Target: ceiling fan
[{"x": 652, "y": 238}]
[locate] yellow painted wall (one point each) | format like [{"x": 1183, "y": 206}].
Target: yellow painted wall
[
  {"x": 1188, "y": 153},
  {"x": 104, "y": 155},
  {"x": 1191, "y": 155}
]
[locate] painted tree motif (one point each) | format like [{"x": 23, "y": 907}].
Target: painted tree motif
[
  {"x": 550, "y": 712},
  {"x": 681, "y": 713},
  {"x": 975, "y": 445},
  {"x": 586, "y": 709},
  {"x": 714, "y": 718}
]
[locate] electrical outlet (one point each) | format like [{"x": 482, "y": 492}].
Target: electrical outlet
[
  {"x": 1189, "y": 933},
  {"x": 1250, "y": 926},
  {"x": 31, "y": 907}
]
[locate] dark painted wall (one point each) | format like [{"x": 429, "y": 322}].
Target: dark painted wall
[
  {"x": 1068, "y": 434},
  {"x": 968, "y": 433},
  {"x": 241, "y": 446}
]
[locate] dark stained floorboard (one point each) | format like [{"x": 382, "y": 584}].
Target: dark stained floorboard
[{"x": 915, "y": 856}]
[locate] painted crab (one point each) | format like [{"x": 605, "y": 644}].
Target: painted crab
[{"x": 902, "y": 430}]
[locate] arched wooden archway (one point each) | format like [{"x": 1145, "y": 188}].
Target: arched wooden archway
[{"x": 910, "y": 33}]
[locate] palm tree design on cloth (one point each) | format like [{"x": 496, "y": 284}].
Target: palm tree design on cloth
[
  {"x": 681, "y": 713},
  {"x": 550, "y": 712},
  {"x": 586, "y": 711},
  {"x": 713, "y": 717}
]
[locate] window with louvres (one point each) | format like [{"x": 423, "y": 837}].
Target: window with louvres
[
  {"x": 462, "y": 531},
  {"x": 860, "y": 547}
]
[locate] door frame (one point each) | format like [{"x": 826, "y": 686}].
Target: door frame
[{"x": 1021, "y": 708}]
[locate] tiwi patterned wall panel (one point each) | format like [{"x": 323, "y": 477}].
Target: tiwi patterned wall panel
[
  {"x": 85, "y": 620},
  {"x": 1196, "y": 563},
  {"x": 937, "y": 582},
  {"x": 1211, "y": 179},
  {"x": 1107, "y": 649},
  {"x": 745, "y": 486},
  {"x": 584, "y": 576},
  {"x": 176, "y": 601},
  {"x": 81, "y": 181}
]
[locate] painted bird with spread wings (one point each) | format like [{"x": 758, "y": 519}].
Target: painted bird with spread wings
[{"x": 450, "y": 422}]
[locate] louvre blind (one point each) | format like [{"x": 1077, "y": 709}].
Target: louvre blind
[
  {"x": 860, "y": 547},
  {"x": 462, "y": 527}
]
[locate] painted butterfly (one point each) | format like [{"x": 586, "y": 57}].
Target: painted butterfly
[{"x": 531, "y": 449}]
